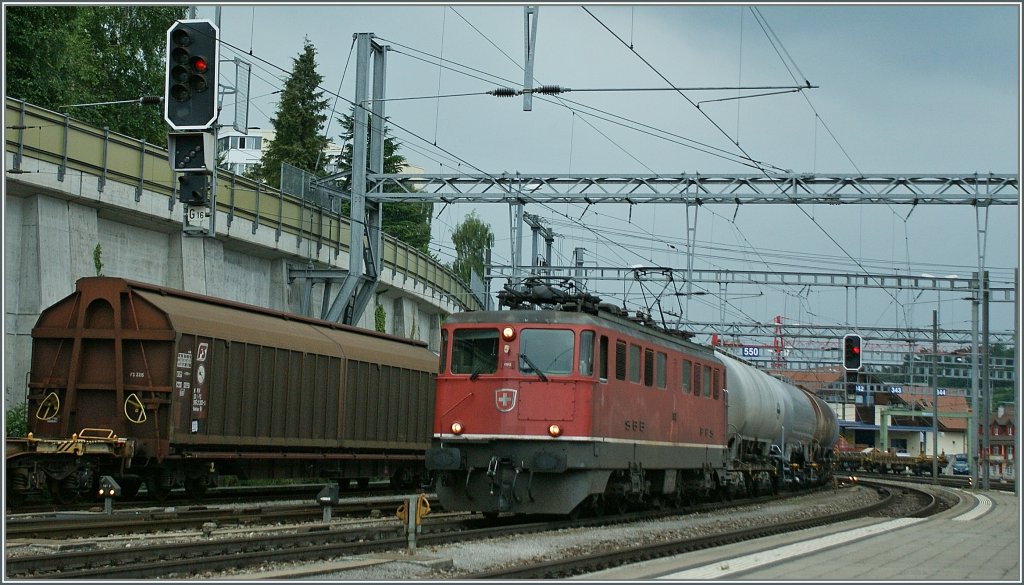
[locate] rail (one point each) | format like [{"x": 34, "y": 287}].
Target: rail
[{"x": 72, "y": 145}]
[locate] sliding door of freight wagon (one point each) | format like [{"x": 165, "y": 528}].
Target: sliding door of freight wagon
[
  {"x": 258, "y": 398},
  {"x": 387, "y": 407}
]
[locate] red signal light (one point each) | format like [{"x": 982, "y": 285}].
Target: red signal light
[{"x": 199, "y": 64}]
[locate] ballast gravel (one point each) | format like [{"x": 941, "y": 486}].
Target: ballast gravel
[{"x": 454, "y": 561}]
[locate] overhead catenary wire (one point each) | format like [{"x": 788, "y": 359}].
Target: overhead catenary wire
[
  {"x": 604, "y": 115},
  {"x": 573, "y": 114},
  {"x": 723, "y": 132}
]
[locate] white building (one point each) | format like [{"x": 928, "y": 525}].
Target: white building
[{"x": 242, "y": 151}]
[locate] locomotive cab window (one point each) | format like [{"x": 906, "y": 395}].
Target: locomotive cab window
[
  {"x": 634, "y": 363},
  {"x": 620, "y": 360},
  {"x": 475, "y": 351},
  {"x": 602, "y": 358},
  {"x": 443, "y": 357},
  {"x": 587, "y": 353},
  {"x": 648, "y": 367},
  {"x": 547, "y": 351},
  {"x": 659, "y": 377}
]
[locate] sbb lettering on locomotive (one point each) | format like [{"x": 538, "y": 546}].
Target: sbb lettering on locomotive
[{"x": 636, "y": 426}]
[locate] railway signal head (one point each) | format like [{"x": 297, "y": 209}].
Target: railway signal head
[
  {"x": 852, "y": 352},
  {"x": 194, "y": 189},
  {"x": 190, "y": 85},
  {"x": 191, "y": 151},
  {"x": 109, "y": 488}
]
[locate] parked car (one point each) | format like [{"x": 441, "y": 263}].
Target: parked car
[{"x": 960, "y": 466}]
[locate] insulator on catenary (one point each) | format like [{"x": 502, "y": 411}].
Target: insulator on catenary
[
  {"x": 550, "y": 89},
  {"x": 503, "y": 92}
]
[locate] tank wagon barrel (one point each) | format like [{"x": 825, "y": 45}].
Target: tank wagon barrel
[
  {"x": 189, "y": 387},
  {"x": 770, "y": 418}
]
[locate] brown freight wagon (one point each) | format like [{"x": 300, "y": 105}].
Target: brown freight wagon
[{"x": 155, "y": 385}]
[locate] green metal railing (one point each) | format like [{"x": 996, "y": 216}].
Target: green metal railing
[{"x": 41, "y": 134}]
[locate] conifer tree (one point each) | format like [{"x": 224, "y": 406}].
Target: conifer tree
[
  {"x": 408, "y": 222},
  {"x": 298, "y": 123}
]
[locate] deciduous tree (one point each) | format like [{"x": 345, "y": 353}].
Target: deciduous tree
[
  {"x": 58, "y": 56},
  {"x": 471, "y": 238}
]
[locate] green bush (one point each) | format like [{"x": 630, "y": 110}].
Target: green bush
[{"x": 17, "y": 420}]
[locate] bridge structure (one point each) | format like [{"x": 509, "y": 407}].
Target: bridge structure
[{"x": 81, "y": 201}]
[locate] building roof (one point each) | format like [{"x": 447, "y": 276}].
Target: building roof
[
  {"x": 813, "y": 380},
  {"x": 920, "y": 398},
  {"x": 1005, "y": 415}
]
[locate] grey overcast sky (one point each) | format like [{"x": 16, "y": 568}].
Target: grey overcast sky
[{"x": 900, "y": 89}]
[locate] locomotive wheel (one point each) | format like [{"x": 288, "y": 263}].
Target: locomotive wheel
[
  {"x": 577, "y": 512},
  {"x": 597, "y": 507},
  {"x": 617, "y": 505}
]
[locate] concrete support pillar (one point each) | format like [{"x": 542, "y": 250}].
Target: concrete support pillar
[
  {"x": 278, "y": 297},
  {"x": 197, "y": 264},
  {"x": 397, "y": 318},
  {"x": 46, "y": 259},
  {"x": 49, "y": 244}
]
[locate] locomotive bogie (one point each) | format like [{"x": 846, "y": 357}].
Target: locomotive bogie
[
  {"x": 201, "y": 387},
  {"x": 527, "y": 478}
]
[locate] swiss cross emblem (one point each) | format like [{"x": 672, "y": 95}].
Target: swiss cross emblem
[{"x": 505, "y": 399}]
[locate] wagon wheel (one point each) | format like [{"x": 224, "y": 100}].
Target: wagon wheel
[
  {"x": 17, "y": 488},
  {"x": 195, "y": 488},
  {"x": 64, "y": 491},
  {"x": 129, "y": 487},
  {"x": 158, "y": 489},
  {"x": 15, "y": 497}
]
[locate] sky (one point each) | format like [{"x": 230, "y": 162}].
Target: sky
[{"x": 896, "y": 89}]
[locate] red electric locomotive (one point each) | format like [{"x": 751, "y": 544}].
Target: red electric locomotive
[{"x": 578, "y": 408}]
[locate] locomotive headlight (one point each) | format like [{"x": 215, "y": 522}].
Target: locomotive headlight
[
  {"x": 508, "y": 334},
  {"x": 554, "y": 430},
  {"x": 456, "y": 428}
]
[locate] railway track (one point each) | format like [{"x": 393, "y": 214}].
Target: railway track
[
  {"x": 192, "y": 517},
  {"x": 311, "y": 542},
  {"x": 579, "y": 565},
  {"x": 959, "y": 481},
  {"x": 217, "y": 495}
]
